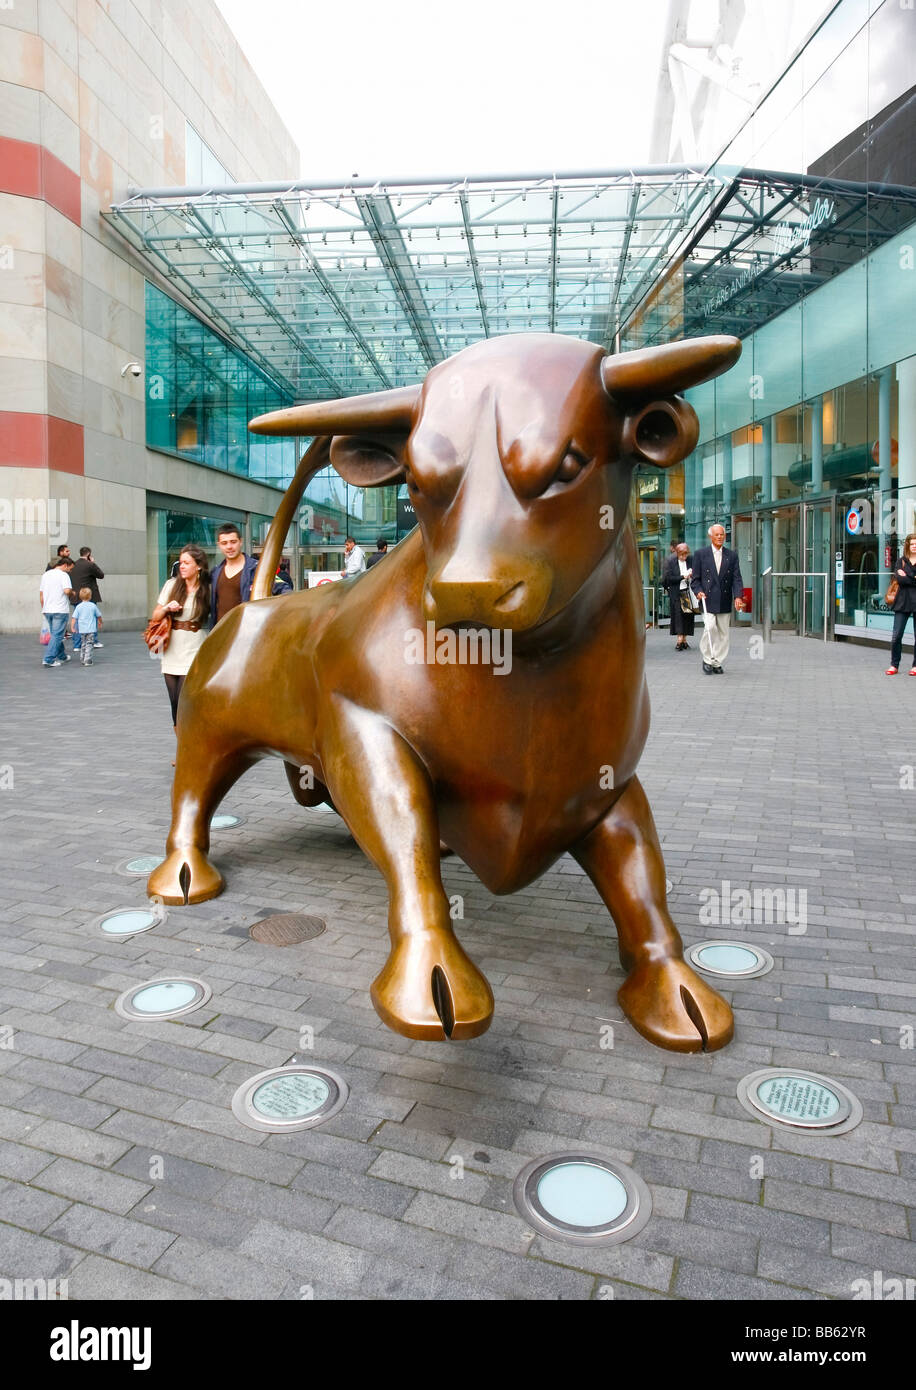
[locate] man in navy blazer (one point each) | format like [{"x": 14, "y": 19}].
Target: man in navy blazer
[{"x": 717, "y": 579}]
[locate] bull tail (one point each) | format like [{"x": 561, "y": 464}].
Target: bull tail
[{"x": 313, "y": 460}]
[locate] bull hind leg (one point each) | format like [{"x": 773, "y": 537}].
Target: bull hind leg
[
  {"x": 428, "y": 987},
  {"x": 662, "y": 997},
  {"x": 305, "y": 787},
  {"x": 207, "y": 766}
]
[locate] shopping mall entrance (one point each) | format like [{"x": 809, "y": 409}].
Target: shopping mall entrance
[{"x": 798, "y": 541}]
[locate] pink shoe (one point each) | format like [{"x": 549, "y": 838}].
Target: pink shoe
[
  {"x": 913, "y": 670},
  {"x": 891, "y": 671}
]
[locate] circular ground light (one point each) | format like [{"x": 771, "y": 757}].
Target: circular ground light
[
  {"x": 287, "y": 929},
  {"x": 139, "y": 866},
  {"x": 168, "y": 997},
  {"x": 582, "y": 1199},
  {"x": 804, "y": 1100},
  {"x": 734, "y": 960},
  {"x": 128, "y": 921},
  {"x": 289, "y": 1098},
  {"x": 224, "y": 821}
]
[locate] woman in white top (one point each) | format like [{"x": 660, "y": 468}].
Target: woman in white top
[{"x": 187, "y": 597}]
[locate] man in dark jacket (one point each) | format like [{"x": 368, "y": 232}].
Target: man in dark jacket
[
  {"x": 381, "y": 550},
  {"x": 717, "y": 579},
  {"x": 234, "y": 575},
  {"x": 86, "y": 575}
]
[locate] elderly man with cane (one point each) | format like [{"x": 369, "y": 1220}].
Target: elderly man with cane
[{"x": 718, "y": 584}]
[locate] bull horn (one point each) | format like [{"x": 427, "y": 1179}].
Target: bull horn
[
  {"x": 660, "y": 371},
  {"x": 382, "y": 410}
]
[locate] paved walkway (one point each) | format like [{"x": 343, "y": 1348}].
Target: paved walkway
[{"x": 123, "y": 1170}]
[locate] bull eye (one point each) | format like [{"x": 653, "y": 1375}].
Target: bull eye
[{"x": 570, "y": 467}]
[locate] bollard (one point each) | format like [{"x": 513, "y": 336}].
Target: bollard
[{"x": 767, "y": 578}]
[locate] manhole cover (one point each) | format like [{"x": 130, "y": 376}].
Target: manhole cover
[{"x": 287, "y": 929}]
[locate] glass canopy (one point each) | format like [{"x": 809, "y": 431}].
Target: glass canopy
[{"x": 340, "y": 290}]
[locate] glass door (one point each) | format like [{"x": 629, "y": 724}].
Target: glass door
[
  {"x": 818, "y": 584},
  {"x": 778, "y": 546},
  {"x": 742, "y": 542}
]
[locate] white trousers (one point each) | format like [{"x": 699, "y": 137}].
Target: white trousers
[{"x": 714, "y": 641}]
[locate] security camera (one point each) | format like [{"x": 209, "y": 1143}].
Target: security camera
[{"x": 133, "y": 368}]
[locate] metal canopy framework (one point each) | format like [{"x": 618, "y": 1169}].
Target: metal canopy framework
[{"x": 344, "y": 289}]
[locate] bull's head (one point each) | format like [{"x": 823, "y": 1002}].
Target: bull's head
[{"x": 515, "y": 453}]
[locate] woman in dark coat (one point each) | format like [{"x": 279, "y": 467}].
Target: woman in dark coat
[
  {"x": 904, "y": 604},
  {"x": 676, "y": 579}
]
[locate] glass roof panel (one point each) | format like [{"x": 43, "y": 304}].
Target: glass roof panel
[{"x": 343, "y": 290}]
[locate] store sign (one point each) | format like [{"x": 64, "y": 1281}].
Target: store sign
[
  {"x": 855, "y": 519},
  {"x": 792, "y": 236}
]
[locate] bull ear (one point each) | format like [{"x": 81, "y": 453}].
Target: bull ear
[
  {"x": 373, "y": 453},
  {"x": 369, "y": 461},
  {"x": 660, "y": 432}
]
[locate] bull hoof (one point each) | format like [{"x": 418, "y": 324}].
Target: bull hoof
[
  {"x": 186, "y": 876},
  {"x": 671, "y": 1006},
  {"x": 430, "y": 989}
]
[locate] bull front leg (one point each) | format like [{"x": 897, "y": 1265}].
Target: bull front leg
[
  {"x": 428, "y": 987},
  {"x": 662, "y": 997}
]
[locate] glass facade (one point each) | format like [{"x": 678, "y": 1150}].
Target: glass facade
[
  {"x": 807, "y": 449},
  {"x": 201, "y": 393}
]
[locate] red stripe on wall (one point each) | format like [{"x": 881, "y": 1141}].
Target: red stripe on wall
[
  {"x": 34, "y": 172},
  {"x": 65, "y": 445},
  {"x": 60, "y": 186},
  {"x": 20, "y": 167},
  {"x": 40, "y": 441}
]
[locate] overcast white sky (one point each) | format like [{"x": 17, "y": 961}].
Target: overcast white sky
[
  {"x": 380, "y": 87},
  {"x": 415, "y": 87}
]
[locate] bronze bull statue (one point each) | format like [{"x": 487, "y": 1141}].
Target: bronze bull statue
[{"x": 518, "y": 455}]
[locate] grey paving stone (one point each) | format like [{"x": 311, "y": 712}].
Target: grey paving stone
[
  {"x": 59, "y": 1105},
  {"x": 372, "y": 1194},
  {"x": 450, "y": 1179},
  {"x": 627, "y": 1263},
  {"x": 96, "y": 1278},
  {"x": 870, "y": 1214},
  {"x": 793, "y": 1229},
  {"x": 315, "y": 1258},
  {"x": 181, "y": 1174},
  {"x": 382, "y": 1235},
  {"x": 70, "y": 1141},
  {"x": 536, "y": 1083},
  {"x": 469, "y": 1222},
  {"x": 220, "y": 1272},
  {"x": 279, "y": 1205},
  {"x": 98, "y": 1188},
  {"x": 27, "y": 1256},
  {"x": 27, "y": 1207},
  {"x": 696, "y": 1281},
  {"x": 107, "y": 1234},
  {"x": 173, "y": 1211}
]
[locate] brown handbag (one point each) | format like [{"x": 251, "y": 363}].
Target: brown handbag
[
  {"x": 892, "y": 590},
  {"x": 156, "y": 634}
]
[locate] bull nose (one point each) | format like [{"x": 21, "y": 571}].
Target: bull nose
[{"x": 511, "y": 600}]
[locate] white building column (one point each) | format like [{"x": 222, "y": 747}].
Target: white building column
[{"x": 906, "y": 438}]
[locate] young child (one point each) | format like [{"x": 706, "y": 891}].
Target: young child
[{"x": 86, "y": 620}]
